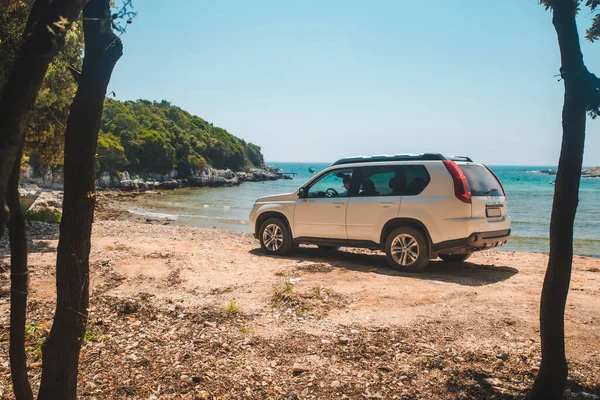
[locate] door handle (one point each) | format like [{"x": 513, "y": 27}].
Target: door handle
[
  {"x": 339, "y": 204},
  {"x": 386, "y": 204}
]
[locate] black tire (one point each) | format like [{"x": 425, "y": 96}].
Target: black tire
[
  {"x": 402, "y": 260},
  {"x": 455, "y": 258},
  {"x": 328, "y": 248},
  {"x": 281, "y": 244}
]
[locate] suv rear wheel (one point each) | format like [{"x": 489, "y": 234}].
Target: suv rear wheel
[
  {"x": 454, "y": 257},
  {"x": 407, "y": 249},
  {"x": 275, "y": 237}
]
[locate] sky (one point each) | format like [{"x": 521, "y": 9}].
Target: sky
[{"x": 317, "y": 80}]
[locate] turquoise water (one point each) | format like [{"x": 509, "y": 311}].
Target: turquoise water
[{"x": 529, "y": 195}]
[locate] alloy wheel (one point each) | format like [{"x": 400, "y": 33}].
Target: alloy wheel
[
  {"x": 273, "y": 237},
  {"x": 405, "y": 250}
]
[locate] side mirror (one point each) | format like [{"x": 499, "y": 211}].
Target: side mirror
[{"x": 301, "y": 192}]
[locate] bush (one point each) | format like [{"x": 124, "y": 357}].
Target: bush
[
  {"x": 111, "y": 154},
  {"x": 44, "y": 215}
]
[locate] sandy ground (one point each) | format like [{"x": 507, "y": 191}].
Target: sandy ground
[{"x": 238, "y": 323}]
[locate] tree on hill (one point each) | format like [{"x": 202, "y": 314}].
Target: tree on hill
[
  {"x": 582, "y": 95},
  {"x": 158, "y": 137}
]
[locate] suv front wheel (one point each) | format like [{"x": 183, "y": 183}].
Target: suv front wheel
[
  {"x": 407, "y": 249},
  {"x": 275, "y": 237}
]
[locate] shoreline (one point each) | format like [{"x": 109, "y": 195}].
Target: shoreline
[{"x": 124, "y": 181}]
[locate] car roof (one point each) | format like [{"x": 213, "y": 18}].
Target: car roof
[{"x": 399, "y": 157}]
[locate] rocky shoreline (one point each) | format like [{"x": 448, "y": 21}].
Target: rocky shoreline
[
  {"x": 585, "y": 173},
  {"x": 206, "y": 177}
]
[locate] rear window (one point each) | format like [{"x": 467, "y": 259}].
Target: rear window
[{"x": 481, "y": 181}]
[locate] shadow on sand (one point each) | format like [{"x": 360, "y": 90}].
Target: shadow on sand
[
  {"x": 466, "y": 273},
  {"x": 473, "y": 384}
]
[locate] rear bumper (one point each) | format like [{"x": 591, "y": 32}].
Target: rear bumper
[{"x": 476, "y": 241}]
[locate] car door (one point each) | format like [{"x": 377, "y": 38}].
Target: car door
[
  {"x": 321, "y": 213},
  {"x": 376, "y": 201}
]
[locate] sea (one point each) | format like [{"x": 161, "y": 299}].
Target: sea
[{"x": 529, "y": 193}]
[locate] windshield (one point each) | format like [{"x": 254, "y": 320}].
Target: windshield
[{"x": 482, "y": 182}]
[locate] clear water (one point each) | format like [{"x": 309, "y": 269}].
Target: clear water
[{"x": 529, "y": 194}]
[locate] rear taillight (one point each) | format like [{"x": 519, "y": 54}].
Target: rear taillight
[
  {"x": 462, "y": 191},
  {"x": 497, "y": 180}
]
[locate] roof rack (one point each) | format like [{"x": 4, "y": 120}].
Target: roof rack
[
  {"x": 459, "y": 158},
  {"x": 393, "y": 157}
]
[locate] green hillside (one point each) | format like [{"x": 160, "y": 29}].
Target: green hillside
[{"x": 143, "y": 136}]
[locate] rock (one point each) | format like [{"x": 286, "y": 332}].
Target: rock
[
  {"x": 104, "y": 180},
  {"x": 128, "y": 185},
  {"x": 115, "y": 181},
  {"x": 344, "y": 339},
  {"x": 299, "y": 370},
  {"x": 335, "y": 384},
  {"x": 354, "y": 331},
  {"x": 493, "y": 381},
  {"x": 124, "y": 176},
  {"x": 168, "y": 185},
  {"x": 173, "y": 174},
  {"x": 325, "y": 341},
  {"x": 210, "y": 324}
]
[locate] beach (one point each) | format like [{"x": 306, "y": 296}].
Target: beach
[{"x": 187, "y": 312}]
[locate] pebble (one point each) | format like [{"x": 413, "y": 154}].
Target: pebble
[
  {"x": 210, "y": 324},
  {"x": 344, "y": 339},
  {"x": 354, "y": 331},
  {"x": 299, "y": 370},
  {"x": 325, "y": 341}
]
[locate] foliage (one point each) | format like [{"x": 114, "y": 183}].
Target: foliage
[
  {"x": 158, "y": 137},
  {"x": 232, "y": 307},
  {"x": 44, "y": 138},
  {"x": 592, "y": 82},
  {"x": 111, "y": 154},
  {"x": 44, "y": 215}
]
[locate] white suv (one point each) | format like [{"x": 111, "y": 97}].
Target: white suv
[{"x": 414, "y": 207}]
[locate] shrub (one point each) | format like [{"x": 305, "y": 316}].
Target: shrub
[{"x": 44, "y": 215}]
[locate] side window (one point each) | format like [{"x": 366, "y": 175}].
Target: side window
[
  {"x": 375, "y": 181},
  {"x": 405, "y": 180},
  {"x": 417, "y": 179},
  {"x": 333, "y": 184}
]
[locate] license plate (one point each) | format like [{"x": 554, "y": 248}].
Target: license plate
[{"x": 493, "y": 212}]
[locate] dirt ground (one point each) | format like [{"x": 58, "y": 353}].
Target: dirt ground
[{"x": 189, "y": 313}]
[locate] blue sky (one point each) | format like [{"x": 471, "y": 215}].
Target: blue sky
[{"x": 317, "y": 80}]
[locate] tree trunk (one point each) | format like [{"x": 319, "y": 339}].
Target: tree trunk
[
  {"x": 61, "y": 349},
  {"x": 551, "y": 380},
  {"x": 19, "y": 286},
  {"x": 20, "y": 91}
]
